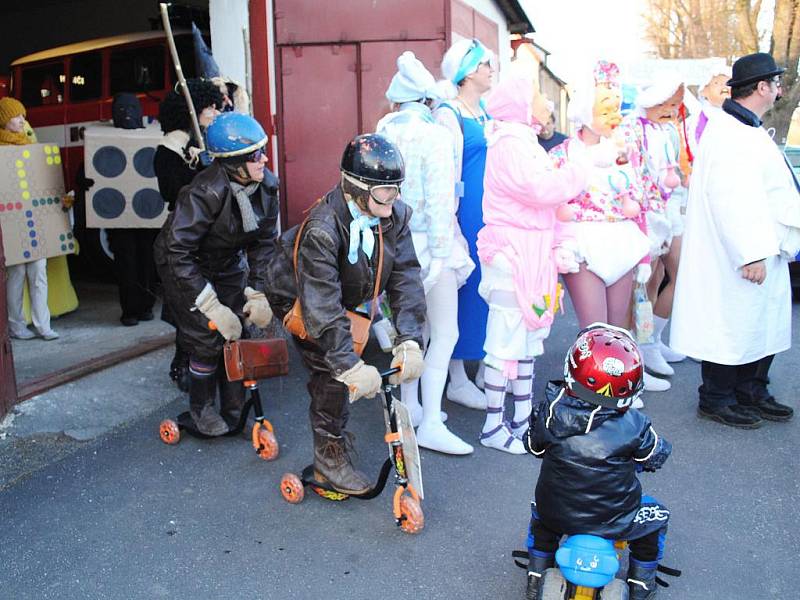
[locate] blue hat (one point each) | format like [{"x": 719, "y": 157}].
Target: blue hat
[{"x": 234, "y": 134}]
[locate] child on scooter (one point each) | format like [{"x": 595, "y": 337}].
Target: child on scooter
[{"x": 592, "y": 445}]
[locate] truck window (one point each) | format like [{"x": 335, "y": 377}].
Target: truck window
[
  {"x": 137, "y": 69},
  {"x": 43, "y": 84},
  {"x": 86, "y": 77}
]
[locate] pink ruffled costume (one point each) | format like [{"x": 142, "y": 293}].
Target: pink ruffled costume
[{"x": 522, "y": 190}]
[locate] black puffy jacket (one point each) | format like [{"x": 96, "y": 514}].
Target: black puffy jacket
[
  {"x": 588, "y": 483},
  {"x": 329, "y": 284}
]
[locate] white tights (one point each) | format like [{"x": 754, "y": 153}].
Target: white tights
[{"x": 441, "y": 339}]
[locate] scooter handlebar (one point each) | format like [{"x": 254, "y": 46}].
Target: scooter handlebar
[{"x": 388, "y": 373}]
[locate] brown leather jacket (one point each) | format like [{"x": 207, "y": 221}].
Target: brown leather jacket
[
  {"x": 329, "y": 284},
  {"x": 203, "y": 238}
]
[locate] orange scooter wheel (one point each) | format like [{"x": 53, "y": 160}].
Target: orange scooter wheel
[
  {"x": 292, "y": 488},
  {"x": 411, "y": 518},
  {"x": 169, "y": 431},
  {"x": 264, "y": 441}
]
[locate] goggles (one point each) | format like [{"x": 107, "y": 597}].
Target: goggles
[
  {"x": 382, "y": 193},
  {"x": 255, "y": 156}
]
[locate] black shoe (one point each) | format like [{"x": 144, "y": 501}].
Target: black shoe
[
  {"x": 129, "y": 321},
  {"x": 146, "y": 316},
  {"x": 732, "y": 415},
  {"x": 768, "y": 408}
]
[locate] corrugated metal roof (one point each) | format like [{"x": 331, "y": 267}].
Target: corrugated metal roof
[{"x": 96, "y": 44}]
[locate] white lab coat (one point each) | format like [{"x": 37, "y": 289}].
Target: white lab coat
[{"x": 743, "y": 206}]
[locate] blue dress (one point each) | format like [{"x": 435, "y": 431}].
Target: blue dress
[{"x": 472, "y": 309}]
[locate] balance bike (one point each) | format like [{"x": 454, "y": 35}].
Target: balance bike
[
  {"x": 586, "y": 570},
  {"x": 403, "y": 456}
]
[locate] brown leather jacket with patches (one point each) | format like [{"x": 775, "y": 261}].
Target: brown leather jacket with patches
[{"x": 329, "y": 284}]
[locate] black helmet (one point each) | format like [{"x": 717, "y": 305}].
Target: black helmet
[{"x": 373, "y": 159}]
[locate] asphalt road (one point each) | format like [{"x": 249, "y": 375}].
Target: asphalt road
[{"x": 122, "y": 515}]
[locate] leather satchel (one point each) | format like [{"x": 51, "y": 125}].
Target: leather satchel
[
  {"x": 359, "y": 325},
  {"x": 256, "y": 359}
]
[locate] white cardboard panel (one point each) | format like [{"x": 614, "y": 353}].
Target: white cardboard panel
[
  {"x": 34, "y": 222},
  {"x": 125, "y": 191}
]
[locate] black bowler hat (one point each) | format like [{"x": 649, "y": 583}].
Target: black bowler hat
[{"x": 754, "y": 67}]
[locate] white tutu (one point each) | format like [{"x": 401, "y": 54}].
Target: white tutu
[
  {"x": 507, "y": 335},
  {"x": 610, "y": 249}
]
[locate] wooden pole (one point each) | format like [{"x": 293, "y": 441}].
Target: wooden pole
[{"x": 181, "y": 79}]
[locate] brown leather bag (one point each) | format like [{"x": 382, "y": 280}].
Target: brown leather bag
[
  {"x": 359, "y": 325},
  {"x": 256, "y": 359}
]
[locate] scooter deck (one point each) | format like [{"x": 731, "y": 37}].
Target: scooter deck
[
  {"x": 186, "y": 423},
  {"x": 325, "y": 490}
]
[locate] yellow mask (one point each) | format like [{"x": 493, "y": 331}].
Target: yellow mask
[
  {"x": 606, "y": 115},
  {"x": 716, "y": 90}
]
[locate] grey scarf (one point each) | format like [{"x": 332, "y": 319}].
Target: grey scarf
[{"x": 242, "y": 194}]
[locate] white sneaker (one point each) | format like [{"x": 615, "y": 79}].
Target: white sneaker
[
  {"x": 669, "y": 354},
  {"x": 49, "y": 335},
  {"x": 653, "y": 361},
  {"x": 502, "y": 439},
  {"x": 435, "y": 436},
  {"x": 25, "y": 334},
  {"x": 467, "y": 395},
  {"x": 654, "y": 384}
]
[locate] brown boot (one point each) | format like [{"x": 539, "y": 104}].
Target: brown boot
[{"x": 333, "y": 465}]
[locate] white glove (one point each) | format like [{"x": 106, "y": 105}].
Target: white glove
[
  {"x": 256, "y": 309},
  {"x": 225, "y": 321},
  {"x": 566, "y": 262},
  {"x": 434, "y": 271},
  {"x": 408, "y": 357},
  {"x": 362, "y": 380},
  {"x": 643, "y": 273}
]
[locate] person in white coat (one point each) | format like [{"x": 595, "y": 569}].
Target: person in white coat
[
  {"x": 427, "y": 150},
  {"x": 733, "y": 296}
]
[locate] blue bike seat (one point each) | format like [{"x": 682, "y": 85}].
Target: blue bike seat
[{"x": 588, "y": 560}]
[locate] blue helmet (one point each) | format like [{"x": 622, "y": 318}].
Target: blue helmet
[{"x": 234, "y": 134}]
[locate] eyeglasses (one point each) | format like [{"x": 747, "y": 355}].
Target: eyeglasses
[
  {"x": 256, "y": 156},
  {"x": 383, "y": 194}
]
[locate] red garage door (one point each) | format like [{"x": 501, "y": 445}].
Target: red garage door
[
  {"x": 319, "y": 92},
  {"x": 8, "y": 384},
  {"x": 378, "y": 66}
]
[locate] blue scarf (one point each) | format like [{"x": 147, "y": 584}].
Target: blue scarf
[{"x": 360, "y": 233}]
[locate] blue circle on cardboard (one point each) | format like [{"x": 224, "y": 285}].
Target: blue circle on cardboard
[
  {"x": 109, "y": 161},
  {"x": 26, "y": 254},
  {"x": 143, "y": 162},
  {"x": 148, "y": 203},
  {"x": 34, "y": 243},
  {"x": 108, "y": 203}
]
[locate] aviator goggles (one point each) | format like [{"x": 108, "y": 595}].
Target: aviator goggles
[{"x": 382, "y": 193}]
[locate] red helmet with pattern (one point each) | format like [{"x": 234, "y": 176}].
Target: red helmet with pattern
[{"x": 604, "y": 367}]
